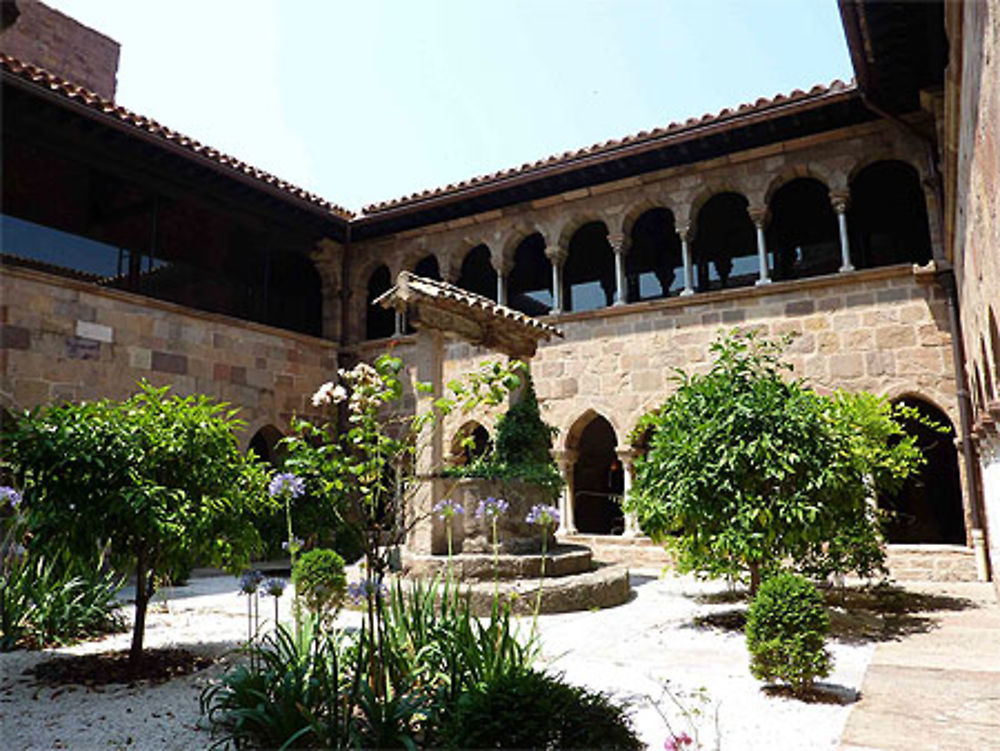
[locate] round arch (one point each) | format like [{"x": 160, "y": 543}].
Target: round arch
[
  {"x": 379, "y": 322},
  {"x": 264, "y": 443},
  {"x": 470, "y": 442},
  {"x": 428, "y": 267},
  {"x": 887, "y": 215},
  {"x": 636, "y": 210},
  {"x": 724, "y": 249},
  {"x": 654, "y": 265},
  {"x": 574, "y": 224},
  {"x": 928, "y": 508},
  {"x": 802, "y": 235},
  {"x": 477, "y": 274},
  {"x": 818, "y": 172},
  {"x": 588, "y": 278},
  {"x": 707, "y": 193},
  {"x": 598, "y": 476}
]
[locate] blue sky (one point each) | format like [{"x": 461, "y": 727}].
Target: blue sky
[{"x": 368, "y": 101}]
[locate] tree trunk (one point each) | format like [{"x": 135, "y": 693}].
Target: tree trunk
[
  {"x": 754, "y": 578},
  {"x": 142, "y": 595}
]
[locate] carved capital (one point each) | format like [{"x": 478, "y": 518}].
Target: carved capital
[
  {"x": 556, "y": 254},
  {"x": 685, "y": 232},
  {"x": 758, "y": 215},
  {"x": 839, "y": 201},
  {"x": 618, "y": 242}
]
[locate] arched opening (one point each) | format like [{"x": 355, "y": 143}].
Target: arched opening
[
  {"x": 928, "y": 508},
  {"x": 471, "y": 442},
  {"x": 589, "y": 270},
  {"x": 653, "y": 265},
  {"x": 995, "y": 346},
  {"x": 987, "y": 376},
  {"x": 379, "y": 322},
  {"x": 477, "y": 274},
  {"x": 888, "y": 216},
  {"x": 724, "y": 252},
  {"x": 529, "y": 286},
  {"x": 598, "y": 480},
  {"x": 265, "y": 445},
  {"x": 802, "y": 237},
  {"x": 428, "y": 268}
]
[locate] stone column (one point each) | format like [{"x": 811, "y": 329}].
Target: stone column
[
  {"x": 619, "y": 247},
  {"x": 567, "y": 462},
  {"x": 627, "y": 457},
  {"x": 428, "y": 356},
  {"x": 757, "y": 216},
  {"x": 684, "y": 232},
  {"x": 839, "y": 202},
  {"x": 556, "y": 256},
  {"x": 501, "y": 288},
  {"x": 327, "y": 258}
]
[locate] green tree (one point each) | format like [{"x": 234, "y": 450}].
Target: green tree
[
  {"x": 749, "y": 469},
  {"x": 158, "y": 480}
]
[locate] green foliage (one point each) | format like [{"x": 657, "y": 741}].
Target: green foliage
[
  {"x": 539, "y": 711},
  {"x": 320, "y": 581},
  {"x": 521, "y": 450},
  {"x": 746, "y": 468},
  {"x": 786, "y": 630},
  {"x": 158, "y": 479}
]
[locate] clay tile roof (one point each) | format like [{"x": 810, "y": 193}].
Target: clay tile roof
[
  {"x": 673, "y": 129},
  {"x": 410, "y": 285},
  {"x": 70, "y": 91}
]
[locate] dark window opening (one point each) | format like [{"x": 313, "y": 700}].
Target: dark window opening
[
  {"x": 472, "y": 442},
  {"x": 724, "y": 252},
  {"x": 477, "y": 274},
  {"x": 589, "y": 271},
  {"x": 598, "y": 480},
  {"x": 379, "y": 322},
  {"x": 529, "y": 285},
  {"x": 264, "y": 445},
  {"x": 928, "y": 508},
  {"x": 802, "y": 236},
  {"x": 654, "y": 266},
  {"x": 428, "y": 268},
  {"x": 887, "y": 216},
  {"x": 995, "y": 346}
]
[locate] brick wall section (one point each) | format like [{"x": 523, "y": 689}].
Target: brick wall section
[
  {"x": 62, "y": 339},
  {"x": 47, "y": 38}
]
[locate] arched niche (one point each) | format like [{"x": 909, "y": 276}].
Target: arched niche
[
  {"x": 264, "y": 444},
  {"x": 589, "y": 270},
  {"x": 470, "y": 442},
  {"x": 724, "y": 252},
  {"x": 995, "y": 346},
  {"x": 928, "y": 508},
  {"x": 428, "y": 267},
  {"x": 379, "y": 322},
  {"x": 802, "y": 236},
  {"x": 477, "y": 273},
  {"x": 654, "y": 267},
  {"x": 529, "y": 285},
  {"x": 887, "y": 216},
  {"x": 598, "y": 476}
]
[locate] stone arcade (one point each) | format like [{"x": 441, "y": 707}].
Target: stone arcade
[{"x": 860, "y": 216}]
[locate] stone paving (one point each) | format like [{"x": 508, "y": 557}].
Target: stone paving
[{"x": 939, "y": 689}]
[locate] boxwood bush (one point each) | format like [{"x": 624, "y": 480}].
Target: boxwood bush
[
  {"x": 786, "y": 631},
  {"x": 320, "y": 581}
]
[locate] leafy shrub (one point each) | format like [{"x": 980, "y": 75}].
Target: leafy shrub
[
  {"x": 43, "y": 602},
  {"x": 786, "y": 631},
  {"x": 320, "y": 581},
  {"x": 539, "y": 711}
]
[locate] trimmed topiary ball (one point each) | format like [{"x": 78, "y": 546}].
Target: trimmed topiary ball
[
  {"x": 320, "y": 581},
  {"x": 786, "y": 630}
]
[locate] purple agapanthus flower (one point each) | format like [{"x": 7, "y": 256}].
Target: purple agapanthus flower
[
  {"x": 250, "y": 581},
  {"x": 286, "y": 485},
  {"x": 491, "y": 508},
  {"x": 275, "y": 586},
  {"x": 361, "y": 591},
  {"x": 9, "y": 495},
  {"x": 446, "y": 509},
  {"x": 543, "y": 515}
]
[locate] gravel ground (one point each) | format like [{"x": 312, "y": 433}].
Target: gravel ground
[{"x": 630, "y": 651}]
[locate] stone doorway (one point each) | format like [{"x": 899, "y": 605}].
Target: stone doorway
[
  {"x": 598, "y": 479},
  {"x": 929, "y": 505}
]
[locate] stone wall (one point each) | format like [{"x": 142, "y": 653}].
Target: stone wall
[
  {"x": 66, "y": 340},
  {"x": 973, "y": 168},
  {"x": 45, "y": 37}
]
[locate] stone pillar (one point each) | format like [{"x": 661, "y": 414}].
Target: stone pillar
[
  {"x": 627, "y": 457},
  {"x": 839, "y": 202},
  {"x": 757, "y": 216},
  {"x": 567, "y": 462},
  {"x": 327, "y": 258},
  {"x": 557, "y": 257},
  {"x": 428, "y": 358},
  {"x": 501, "y": 288},
  {"x": 619, "y": 247},
  {"x": 684, "y": 232}
]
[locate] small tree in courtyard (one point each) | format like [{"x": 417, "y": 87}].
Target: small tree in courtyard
[
  {"x": 158, "y": 480},
  {"x": 747, "y": 469}
]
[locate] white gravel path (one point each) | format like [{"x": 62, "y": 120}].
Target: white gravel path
[{"x": 628, "y": 651}]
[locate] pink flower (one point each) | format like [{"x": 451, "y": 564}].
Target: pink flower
[{"x": 677, "y": 742}]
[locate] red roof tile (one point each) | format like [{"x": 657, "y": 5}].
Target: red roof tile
[
  {"x": 46, "y": 80},
  {"x": 641, "y": 138}
]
